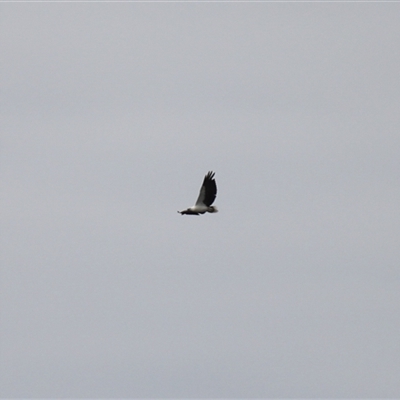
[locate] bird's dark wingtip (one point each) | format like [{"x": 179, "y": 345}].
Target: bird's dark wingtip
[{"x": 210, "y": 175}]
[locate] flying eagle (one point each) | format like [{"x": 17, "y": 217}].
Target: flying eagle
[{"x": 207, "y": 195}]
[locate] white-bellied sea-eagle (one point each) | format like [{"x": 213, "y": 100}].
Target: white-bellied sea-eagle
[{"x": 207, "y": 195}]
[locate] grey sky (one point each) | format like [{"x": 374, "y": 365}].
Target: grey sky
[{"x": 112, "y": 114}]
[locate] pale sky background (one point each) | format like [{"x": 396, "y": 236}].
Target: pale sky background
[{"x": 112, "y": 114}]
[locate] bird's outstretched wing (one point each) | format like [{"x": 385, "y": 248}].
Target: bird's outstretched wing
[{"x": 208, "y": 191}]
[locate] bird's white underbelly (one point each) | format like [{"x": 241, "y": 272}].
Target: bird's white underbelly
[{"x": 199, "y": 208}]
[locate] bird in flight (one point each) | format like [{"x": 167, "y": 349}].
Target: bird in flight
[{"x": 207, "y": 195}]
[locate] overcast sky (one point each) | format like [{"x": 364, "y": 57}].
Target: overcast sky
[{"x": 112, "y": 114}]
